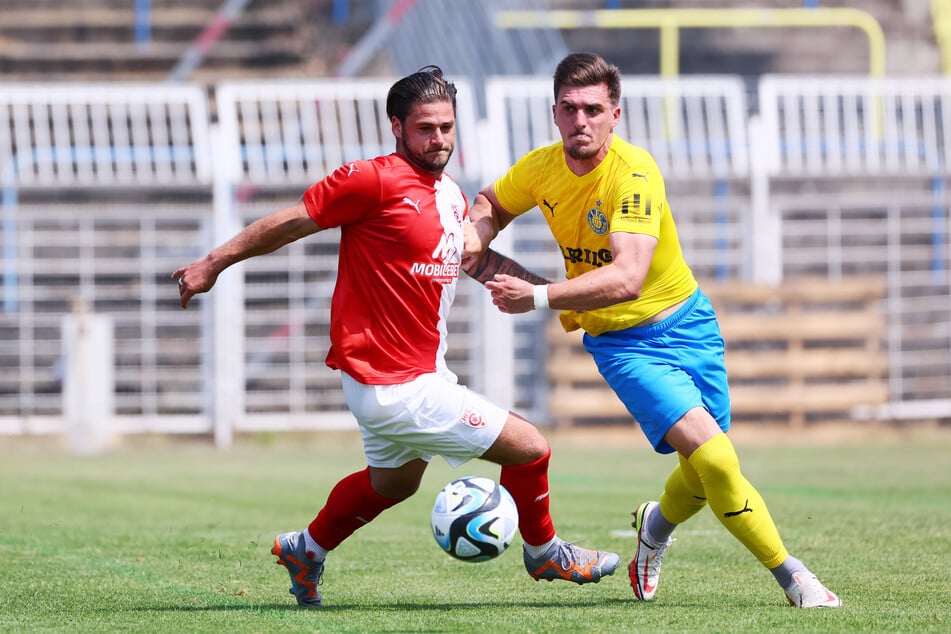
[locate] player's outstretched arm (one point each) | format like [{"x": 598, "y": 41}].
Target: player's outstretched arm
[
  {"x": 493, "y": 263},
  {"x": 486, "y": 219},
  {"x": 262, "y": 236}
]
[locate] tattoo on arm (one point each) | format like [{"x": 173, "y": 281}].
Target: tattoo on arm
[{"x": 493, "y": 262}]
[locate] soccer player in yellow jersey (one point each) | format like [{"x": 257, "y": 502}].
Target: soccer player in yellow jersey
[{"x": 648, "y": 325}]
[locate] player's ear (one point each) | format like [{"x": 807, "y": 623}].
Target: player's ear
[{"x": 397, "y": 127}]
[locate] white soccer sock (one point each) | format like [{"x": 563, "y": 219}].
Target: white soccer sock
[
  {"x": 537, "y": 551},
  {"x": 319, "y": 553}
]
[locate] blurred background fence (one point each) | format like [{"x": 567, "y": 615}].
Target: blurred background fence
[{"x": 108, "y": 187}]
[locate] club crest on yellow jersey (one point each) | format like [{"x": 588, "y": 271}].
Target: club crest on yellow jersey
[{"x": 597, "y": 221}]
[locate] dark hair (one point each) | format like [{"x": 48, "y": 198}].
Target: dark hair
[
  {"x": 424, "y": 86},
  {"x": 587, "y": 69}
]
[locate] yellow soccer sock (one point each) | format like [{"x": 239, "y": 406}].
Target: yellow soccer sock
[
  {"x": 683, "y": 495},
  {"x": 735, "y": 502}
]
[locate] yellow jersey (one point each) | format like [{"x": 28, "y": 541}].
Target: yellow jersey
[{"x": 625, "y": 192}]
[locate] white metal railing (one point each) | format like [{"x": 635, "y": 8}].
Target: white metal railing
[
  {"x": 695, "y": 127},
  {"x": 293, "y": 133},
  {"x": 852, "y": 180},
  {"x": 835, "y": 126},
  {"x": 108, "y": 135},
  {"x": 854, "y": 177}
]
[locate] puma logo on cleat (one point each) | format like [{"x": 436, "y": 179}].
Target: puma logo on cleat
[{"x": 746, "y": 509}]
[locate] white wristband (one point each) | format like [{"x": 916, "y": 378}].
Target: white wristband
[{"x": 540, "y": 293}]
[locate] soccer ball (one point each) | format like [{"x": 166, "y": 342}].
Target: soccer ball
[{"x": 474, "y": 519}]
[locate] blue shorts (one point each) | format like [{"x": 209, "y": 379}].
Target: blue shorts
[{"x": 663, "y": 370}]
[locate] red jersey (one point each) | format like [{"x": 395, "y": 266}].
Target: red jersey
[{"x": 400, "y": 252}]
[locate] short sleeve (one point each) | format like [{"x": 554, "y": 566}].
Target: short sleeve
[
  {"x": 344, "y": 196},
  {"x": 515, "y": 190},
  {"x": 640, "y": 202}
]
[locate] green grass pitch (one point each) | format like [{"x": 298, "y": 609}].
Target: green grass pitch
[{"x": 171, "y": 536}]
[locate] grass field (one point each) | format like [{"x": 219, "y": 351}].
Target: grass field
[{"x": 175, "y": 537}]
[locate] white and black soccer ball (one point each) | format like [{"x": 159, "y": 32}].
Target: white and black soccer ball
[{"x": 474, "y": 519}]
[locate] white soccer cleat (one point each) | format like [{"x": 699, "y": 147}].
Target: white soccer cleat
[
  {"x": 644, "y": 569},
  {"x": 807, "y": 591}
]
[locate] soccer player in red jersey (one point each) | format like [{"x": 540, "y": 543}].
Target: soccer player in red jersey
[{"x": 401, "y": 219}]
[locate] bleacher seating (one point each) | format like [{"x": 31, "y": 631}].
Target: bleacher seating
[
  {"x": 111, "y": 242},
  {"x": 95, "y": 40},
  {"x": 809, "y": 350},
  {"x": 750, "y": 52},
  {"x": 90, "y": 40}
]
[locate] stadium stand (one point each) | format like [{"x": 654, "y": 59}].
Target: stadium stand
[
  {"x": 750, "y": 52},
  {"x": 792, "y": 178},
  {"x": 96, "y": 40}
]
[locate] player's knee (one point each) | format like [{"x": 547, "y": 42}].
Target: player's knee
[
  {"x": 519, "y": 443},
  {"x": 400, "y": 483},
  {"x": 396, "y": 490},
  {"x": 716, "y": 460},
  {"x": 537, "y": 450},
  {"x": 531, "y": 443}
]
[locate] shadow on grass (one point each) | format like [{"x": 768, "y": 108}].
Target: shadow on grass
[{"x": 396, "y": 607}]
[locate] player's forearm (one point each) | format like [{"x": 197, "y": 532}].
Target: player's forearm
[
  {"x": 493, "y": 263},
  {"x": 595, "y": 289},
  {"x": 484, "y": 219},
  {"x": 263, "y": 236}
]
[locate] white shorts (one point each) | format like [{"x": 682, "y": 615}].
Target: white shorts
[{"x": 429, "y": 416}]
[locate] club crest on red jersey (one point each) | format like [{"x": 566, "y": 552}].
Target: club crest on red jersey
[{"x": 473, "y": 418}]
